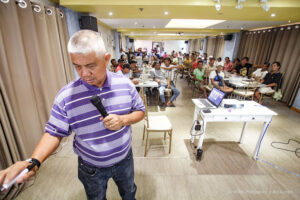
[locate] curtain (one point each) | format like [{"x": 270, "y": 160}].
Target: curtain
[
  {"x": 211, "y": 43},
  {"x": 280, "y": 44},
  {"x": 219, "y": 47},
  {"x": 34, "y": 65}
]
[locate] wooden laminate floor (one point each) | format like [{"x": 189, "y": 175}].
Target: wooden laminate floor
[{"x": 227, "y": 170}]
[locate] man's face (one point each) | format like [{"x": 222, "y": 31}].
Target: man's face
[
  {"x": 133, "y": 65},
  {"x": 264, "y": 67},
  {"x": 244, "y": 61},
  {"x": 211, "y": 62},
  {"x": 167, "y": 62},
  {"x": 205, "y": 56},
  {"x": 126, "y": 71},
  {"x": 90, "y": 68},
  {"x": 200, "y": 65},
  {"x": 157, "y": 66},
  {"x": 219, "y": 69},
  {"x": 121, "y": 64},
  {"x": 226, "y": 59},
  {"x": 275, "y": 67},
  {"x": 114, "y": 63}
]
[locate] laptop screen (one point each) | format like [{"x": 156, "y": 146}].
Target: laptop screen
[{"x": 216, "y": 96}]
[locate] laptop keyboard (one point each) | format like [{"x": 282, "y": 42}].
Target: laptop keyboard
[{"x": 204, "y": 102}]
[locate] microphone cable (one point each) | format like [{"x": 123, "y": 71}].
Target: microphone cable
[{"x": 296, "y": 151}]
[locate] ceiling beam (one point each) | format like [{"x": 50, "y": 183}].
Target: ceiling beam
[{"x": 248, "y": 3}]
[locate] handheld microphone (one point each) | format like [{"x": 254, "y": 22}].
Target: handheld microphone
[
  {"x": 96, "y": 101},
  {"x": 25, "y": 171}
]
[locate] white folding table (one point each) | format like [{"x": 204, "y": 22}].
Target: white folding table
[{"x": 251, "y": 112}]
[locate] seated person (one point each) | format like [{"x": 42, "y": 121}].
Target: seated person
[
  {"x": 219, "y": 62},
  {"x": 120, "y": 65},
  {"x": 271, "y": 80},
  {"x": 235, "y": 63},
  {"x": 243, "y": 68},
  {"x": 198, "y": 77},
  {"x": 126, "y": 71},
  {"x": 164, "y": 82},
  {"x": 217, "y": 80},
  {"x": 186, "y": 64},
  {"x": 260, "y": 73},
  {"x": 113, "y": 66},
  {"x": 195, "y": 65},
  {"x": 208, "y": 68},
  {"x": 136, "y": 72},
  {"x": 228, "y": 64},
  {"x": 170, "y": 69}
]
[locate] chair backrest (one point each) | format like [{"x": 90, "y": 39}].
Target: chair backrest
[
  {"x": 252, "y": 86},
  {"x": 280, "y": 82},
  {"x": 144, "y": 98}
]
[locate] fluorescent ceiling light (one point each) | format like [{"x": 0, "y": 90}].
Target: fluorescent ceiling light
[
  {"x": 166, "y": 13},
  {"x": 192, "y": 23},
  {"x": 166, "y": 34},
  {"x": 110, "y": 13}
]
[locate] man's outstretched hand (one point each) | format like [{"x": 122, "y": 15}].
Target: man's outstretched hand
[{"x": 11, "y": 172}]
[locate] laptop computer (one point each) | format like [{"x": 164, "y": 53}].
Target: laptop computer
[{"x": 213, "y": 101}]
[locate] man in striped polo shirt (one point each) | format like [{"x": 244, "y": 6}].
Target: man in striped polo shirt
[{"x": 103, "y": 146}]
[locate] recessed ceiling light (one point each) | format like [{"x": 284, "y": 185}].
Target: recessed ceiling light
[
  {"x": 166, "y": 12},
  {"x": 192, "y": 23},
  {"x": 110, "y": 13},
  {"x": 273, "y": 15},
  {"x": 289, "y": 21},
  {"x": 135, "y": 23},
  {"x": 242, "y": 28}
]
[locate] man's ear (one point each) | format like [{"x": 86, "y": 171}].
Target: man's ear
[{"x": 107, "y": 58}]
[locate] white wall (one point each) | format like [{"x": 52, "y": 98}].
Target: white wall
[
  {"x": 176, "y": 45},
  {"x": 231, "y": 47},
  {"x": 169, "y": 45},
  {"x": 143, "y": 44},
  {"x": 108, "y": 39}
]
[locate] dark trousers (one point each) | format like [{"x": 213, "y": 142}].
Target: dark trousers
[{"x": 95, "y": 179}]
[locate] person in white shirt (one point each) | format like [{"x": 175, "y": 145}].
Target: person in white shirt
[
  {"x": 260, "y": 73},
  {"x": 216, "y": 78},
  {"x": 219, "y": 62},
  {"x": 161, "y": 77},
  {"x": 208, "y": 68}
]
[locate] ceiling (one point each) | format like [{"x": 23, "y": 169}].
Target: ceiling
[{"x": 146, "y": 19}]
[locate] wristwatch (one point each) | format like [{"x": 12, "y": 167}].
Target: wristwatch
[{"x": 34, "y": 161}]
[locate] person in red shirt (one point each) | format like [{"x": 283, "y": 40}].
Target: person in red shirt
[
  {"x": 120, "y": 65},
  {"x": 195, "y": 63}
]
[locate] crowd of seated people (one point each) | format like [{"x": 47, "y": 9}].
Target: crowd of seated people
[{"x": 204, "y": 71}]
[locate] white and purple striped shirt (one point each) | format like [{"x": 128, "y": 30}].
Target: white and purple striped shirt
[{"x": 73, "y": 111}]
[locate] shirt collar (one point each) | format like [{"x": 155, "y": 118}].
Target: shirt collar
[{"x": 106, "y": 84}]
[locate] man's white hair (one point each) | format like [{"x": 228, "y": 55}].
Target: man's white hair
[{"x": 85, "y": 42}]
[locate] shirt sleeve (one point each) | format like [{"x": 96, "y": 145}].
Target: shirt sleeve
[
  {"x": 58, "y": 124},
  {"x": 136, "y": 101},
  {"x": 212, "y": 74}
]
